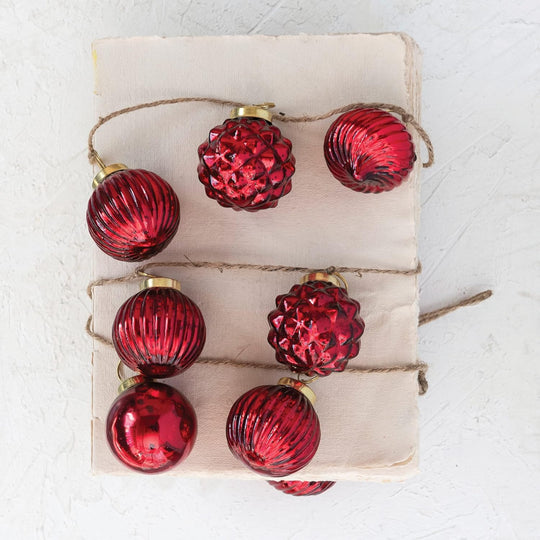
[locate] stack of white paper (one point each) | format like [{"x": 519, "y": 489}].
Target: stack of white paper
[{"x": 369, "y": 421}]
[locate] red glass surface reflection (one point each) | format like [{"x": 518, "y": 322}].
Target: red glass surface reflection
[
  {"x": 301, "y": 489},
  {"x": 369, "y": 150},
  {"x": 151, "y": 427},
  {"x": 133, "y": 215},
  {"x": 159, "y": 331},
  {"x": 246, "y": 164},
  {"x": 316, "y": 328},
  {"x": 274, "y": 430}
]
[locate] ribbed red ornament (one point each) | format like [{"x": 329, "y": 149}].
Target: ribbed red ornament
[
  {"x": 316, "y": 328},
  {"x": 133, "y": 214},
  {"x": 369, "y": 150},
  {"x": 274, "y": 430},
  {"x": 159, "y": 331},
  {"x": 151, "y": 427},
  {"x": 301, "y": 489},
  {"x": 246, "y": 164}
]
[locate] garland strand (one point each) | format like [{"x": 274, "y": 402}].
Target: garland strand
[
  {"x": 406, "y": 117},
  {"x": 424, "y": 318}
]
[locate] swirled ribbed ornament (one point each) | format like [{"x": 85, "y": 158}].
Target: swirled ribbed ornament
[
  {"x": 369, "y": 150},
  {"x": 299, "y": 488},
  {"x": 132, "y": 214},
  {"x": 316, "y": 327},
  {"x": 274, "y": 429},
  {"x": 150, "y": 426},
  {"x": 246, "y": 164},
  {"x": 159, "y": 331}
]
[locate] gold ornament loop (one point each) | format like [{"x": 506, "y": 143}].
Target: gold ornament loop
[
  {"x": 300, "y": 386},
  {"x": 99, "y": 161},
  {"x": 105, "y": 170},
  {"x": 254, "y": 111},
  {"x": 144, "y": 274},
  {"x": 132, "y": 381},
  {"x": 342, "y": 279},
  {"x": 150, "y": 282},
  {"x": 119, "y": 371},
  {"x": 128, "y": 382},
  {"x": 332, "y": 276},
  {"x": 306, "y": 381}
]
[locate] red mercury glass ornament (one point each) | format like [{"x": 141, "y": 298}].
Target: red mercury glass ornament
[
  {"x": 316, "y": 327},
  {"x": 274, "y": 429},
  {"x": 246, "y": 164},
  {"x": 159, "y": 331},
  {"x": 299, "y": 488},
  {"x": 369, "y": 150},
  {"x": 132, "y": 214},
  {"x": 150, "y": 426}
]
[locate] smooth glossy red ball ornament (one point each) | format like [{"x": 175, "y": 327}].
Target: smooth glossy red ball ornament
[
  {"x": 299, "y": 488},
  {"x": 316, "y": 327},
  {"x": 151, "y": 426},
  {"x": 159, "y": 331},
  {"x": 246, "y": 164},
  {"x": 132, "y": 214},
  {"x": 274, "y": 429},
  {"x": 369, "y": 150}
]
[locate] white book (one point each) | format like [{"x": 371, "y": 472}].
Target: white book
[{"x": 369, "y": 422}]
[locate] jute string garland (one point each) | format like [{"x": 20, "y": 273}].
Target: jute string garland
[
  {"x": 141, "y": 271},
  {"x": 420, "y": 367},
  {"x": 281, "y": 117}
]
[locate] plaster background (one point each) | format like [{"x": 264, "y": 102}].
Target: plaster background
[{"x": 480, "y": 421}]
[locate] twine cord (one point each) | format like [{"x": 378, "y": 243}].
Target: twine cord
[
  {"x": 470, "y": 301},
  {"x": 420, "y": 367},
  {"x": 142, "y": 271},
  {"x": 406, "y": 117}
]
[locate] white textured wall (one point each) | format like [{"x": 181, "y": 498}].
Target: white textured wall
[{"x": 480, "y": 429}]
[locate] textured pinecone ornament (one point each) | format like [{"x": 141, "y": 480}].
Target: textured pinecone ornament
[
  {"x": 369, "y": 150},
  {"x": 246, "y": 164},
  {"x": 274, "y": 429},
  {"x": 159, "y": 331},
  {"x": 316, "y": 327},
  {"x": 299, "y": 488},
  {"x": 132, "y": 214},
  {"x": 150, "y": 426}
]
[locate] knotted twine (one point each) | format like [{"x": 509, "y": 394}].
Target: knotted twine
[
  {"x": 420, "y": 367},
  {"x": 406, "y": 117}
]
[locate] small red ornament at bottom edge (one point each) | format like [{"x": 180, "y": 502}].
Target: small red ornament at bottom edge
[{"x": 301, "y": 489}]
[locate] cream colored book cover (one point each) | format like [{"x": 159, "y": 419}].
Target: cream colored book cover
[{"x": 369, "y": 422}]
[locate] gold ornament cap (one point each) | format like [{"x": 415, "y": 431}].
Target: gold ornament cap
[
  {"x": 132, "y": 381},
  {"x": 160, "y": 282},
  {"x": 254, "y": 111},
  {"x": 106, "y": 170},
  {"x": 321, "y": 276},
  {"x": 300, "y": 386}
]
